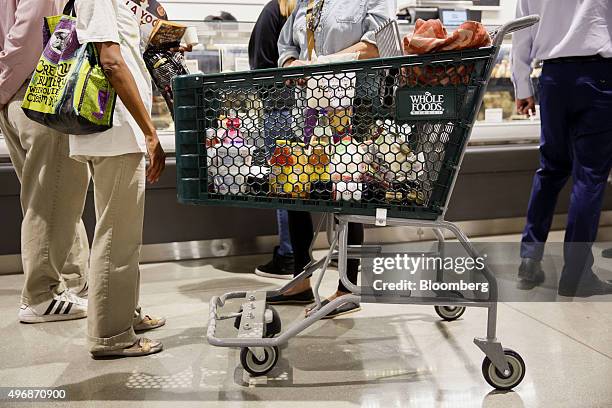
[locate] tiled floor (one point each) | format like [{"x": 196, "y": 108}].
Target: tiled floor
[{"x": 384, "y": 356}]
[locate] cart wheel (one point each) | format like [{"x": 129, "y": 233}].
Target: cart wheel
[
  {"x": 272, "y": 328},
  {"x": 450, "y": 313},
  {"x": 499, "y": 380},
  {"x": 255, "y": 367}
]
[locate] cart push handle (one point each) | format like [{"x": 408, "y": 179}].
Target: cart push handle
[{"x": 514, "y": 25}]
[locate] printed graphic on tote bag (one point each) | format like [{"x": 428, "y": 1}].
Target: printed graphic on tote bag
[
  {"x": 52, "y": 69},
  {"x": 57, "y": 44}
]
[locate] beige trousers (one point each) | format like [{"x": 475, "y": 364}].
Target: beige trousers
[
  {"x": 114, "y": 275},
  {"x": 54, "y": 246}
]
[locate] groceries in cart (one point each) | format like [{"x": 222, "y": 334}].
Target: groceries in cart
[
  {"x": 431, "y": 36},
  {"x": 333, "y": 165},
  {"x": 351, "y": 137}
]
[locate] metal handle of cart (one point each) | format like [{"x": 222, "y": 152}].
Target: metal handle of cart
[
  {"x": 407, "y": 118},
  {"x": 514, "y": 25}
]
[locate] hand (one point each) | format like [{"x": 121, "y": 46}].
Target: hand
[
  {"x": 157, "y": 158},
  {"x": 524, "y": 106},
  {"x": 181, "y": 49},
  {"x": 296, "y": 63}
]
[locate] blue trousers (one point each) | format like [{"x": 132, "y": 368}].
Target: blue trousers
[
  {"x": 277, "y": 126},
  {"x": 576, "y": 140}
]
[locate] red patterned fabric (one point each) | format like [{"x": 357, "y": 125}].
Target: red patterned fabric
[{"x": 431, "y": 36}]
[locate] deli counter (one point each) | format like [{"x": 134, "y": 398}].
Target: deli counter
[
  {"x": 490, "y": 196},
  {"x": 224, "y": 48}
]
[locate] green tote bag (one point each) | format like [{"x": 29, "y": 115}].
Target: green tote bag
[{"x": 68, "y": 91}]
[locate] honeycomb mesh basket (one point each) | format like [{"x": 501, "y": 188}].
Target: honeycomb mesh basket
[{"x": 348, "y": 137}]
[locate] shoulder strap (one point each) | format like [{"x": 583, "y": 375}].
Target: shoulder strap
[
  {"x": 69, "y": 9},
  {"x": 310, "y": 36}
]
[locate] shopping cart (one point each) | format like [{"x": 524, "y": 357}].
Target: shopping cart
[{"x": 375, "y": 142}]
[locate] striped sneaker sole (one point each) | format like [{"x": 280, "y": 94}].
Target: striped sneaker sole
[
  {"x": 56, "y": 311},
  {"x": 52, "y": 318}
]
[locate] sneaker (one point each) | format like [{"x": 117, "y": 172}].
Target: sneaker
[
  {"x": 81, "y": 292},
  {"x": 280, "y": 267},
  {"x": 65, "y": 306}
]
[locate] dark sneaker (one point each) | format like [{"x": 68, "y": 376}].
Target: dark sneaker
[
  {"x": 593, "y": 287},
  {"x": 530, "y": 274},
  {"x": 302, "y": 298},
  {"x": 607, "y": 253},
  {"x": 280, "y": 267}
]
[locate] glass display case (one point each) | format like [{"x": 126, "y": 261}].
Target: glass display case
[{"x": 224, "y": 48}]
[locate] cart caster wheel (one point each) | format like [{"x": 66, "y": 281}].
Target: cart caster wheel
[
  {"x": 272, "y": 328},
  {"x": 450, "y": 313},
  {"x": 499, "y": 380},
  {"x": 255, "y": 367}
]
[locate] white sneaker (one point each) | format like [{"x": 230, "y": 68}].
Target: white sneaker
[
  {"x": 65, "y": 306},
  {"x": 81, "y": 292}
]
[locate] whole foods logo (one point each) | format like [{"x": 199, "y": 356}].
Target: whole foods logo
[{"x": 427, "y": 104}]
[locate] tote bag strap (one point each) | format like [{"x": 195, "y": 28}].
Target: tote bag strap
[{"x": 69, "y": 9}]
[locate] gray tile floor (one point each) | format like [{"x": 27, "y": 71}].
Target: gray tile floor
[{"x": 384, "y": 356}]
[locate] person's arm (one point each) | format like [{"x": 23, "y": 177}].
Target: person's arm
[
  {"x": 288, "y": 51},
  {"x": 120, "y": 77},
  {"x": 365, "y": 49},
  {"x": 522, "y": 42},
  {"x": 23, "y": 46},
  {"x": 97, "y": 23},
  {"x": 378, "y": 12}
]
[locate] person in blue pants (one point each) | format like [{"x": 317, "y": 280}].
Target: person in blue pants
[
  {"x": 573, "y": 39},
  {"x": 263, "y": 53}
]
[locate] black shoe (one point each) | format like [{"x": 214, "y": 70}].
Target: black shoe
[
  {"x": 593, "y": 287},
  {"x": 346, "y": 308},
  {"x": 302, "y": 298},
  {"x": 530, "y": 274},
  {"x": 607, "y": 253},
  {"x": 281, "y": 267}
]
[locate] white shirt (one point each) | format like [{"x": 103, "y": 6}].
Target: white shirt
[
  {"x": 567, "y": 28},
  {"x": 112, "y": 21}
]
